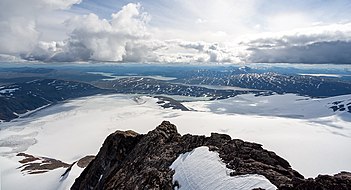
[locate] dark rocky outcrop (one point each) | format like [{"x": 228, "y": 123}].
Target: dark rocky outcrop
[
  {"x": 36, "y": 165},
  {"x": 84, "y": 162},
  {"x": 167, "y": 102},
  {"x": 322, "y": 182},
  {"x": 128, "y": 160}
]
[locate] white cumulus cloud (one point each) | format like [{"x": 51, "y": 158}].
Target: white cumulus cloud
[
  {"x": 18, "y": 27},
  {"x": 123, "y": 38}
]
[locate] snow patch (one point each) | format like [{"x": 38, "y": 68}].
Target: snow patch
[
  {"x": 8, "y": 90},
  {"x": 203, "y": 169},
  {"x": 323, "y": 75}
]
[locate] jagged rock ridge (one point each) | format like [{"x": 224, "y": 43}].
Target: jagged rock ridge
[{"x": 128, "y": 160}]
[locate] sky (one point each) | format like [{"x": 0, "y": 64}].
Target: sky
[{"x": 176, "y": 31}]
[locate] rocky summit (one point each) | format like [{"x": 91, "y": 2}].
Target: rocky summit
[{"x": 128, "y": 160}]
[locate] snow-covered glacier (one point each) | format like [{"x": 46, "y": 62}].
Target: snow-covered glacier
[{"x": 314, "y": 143}]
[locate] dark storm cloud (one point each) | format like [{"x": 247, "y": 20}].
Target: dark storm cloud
[{"x": 338, "y": 52}]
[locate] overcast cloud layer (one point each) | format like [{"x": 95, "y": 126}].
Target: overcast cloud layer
[{"x": 176, "y": 31}]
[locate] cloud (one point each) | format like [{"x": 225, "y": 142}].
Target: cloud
[
  {"x": 18, "y": 27},
  {"x": 17, "y": 35},
  {"x": 126, "y": 38},
  {"x": 337, "y": 52},
  {"x": 319, "y": 44},
  {"x": 199, "y": 46},
  {"x": 129, "y": 36},
  {"x": 206, "y": 52},
  {"x": 123, "y": 38}
]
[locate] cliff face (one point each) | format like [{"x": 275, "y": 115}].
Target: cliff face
[{"x": 128, "y": 160}]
